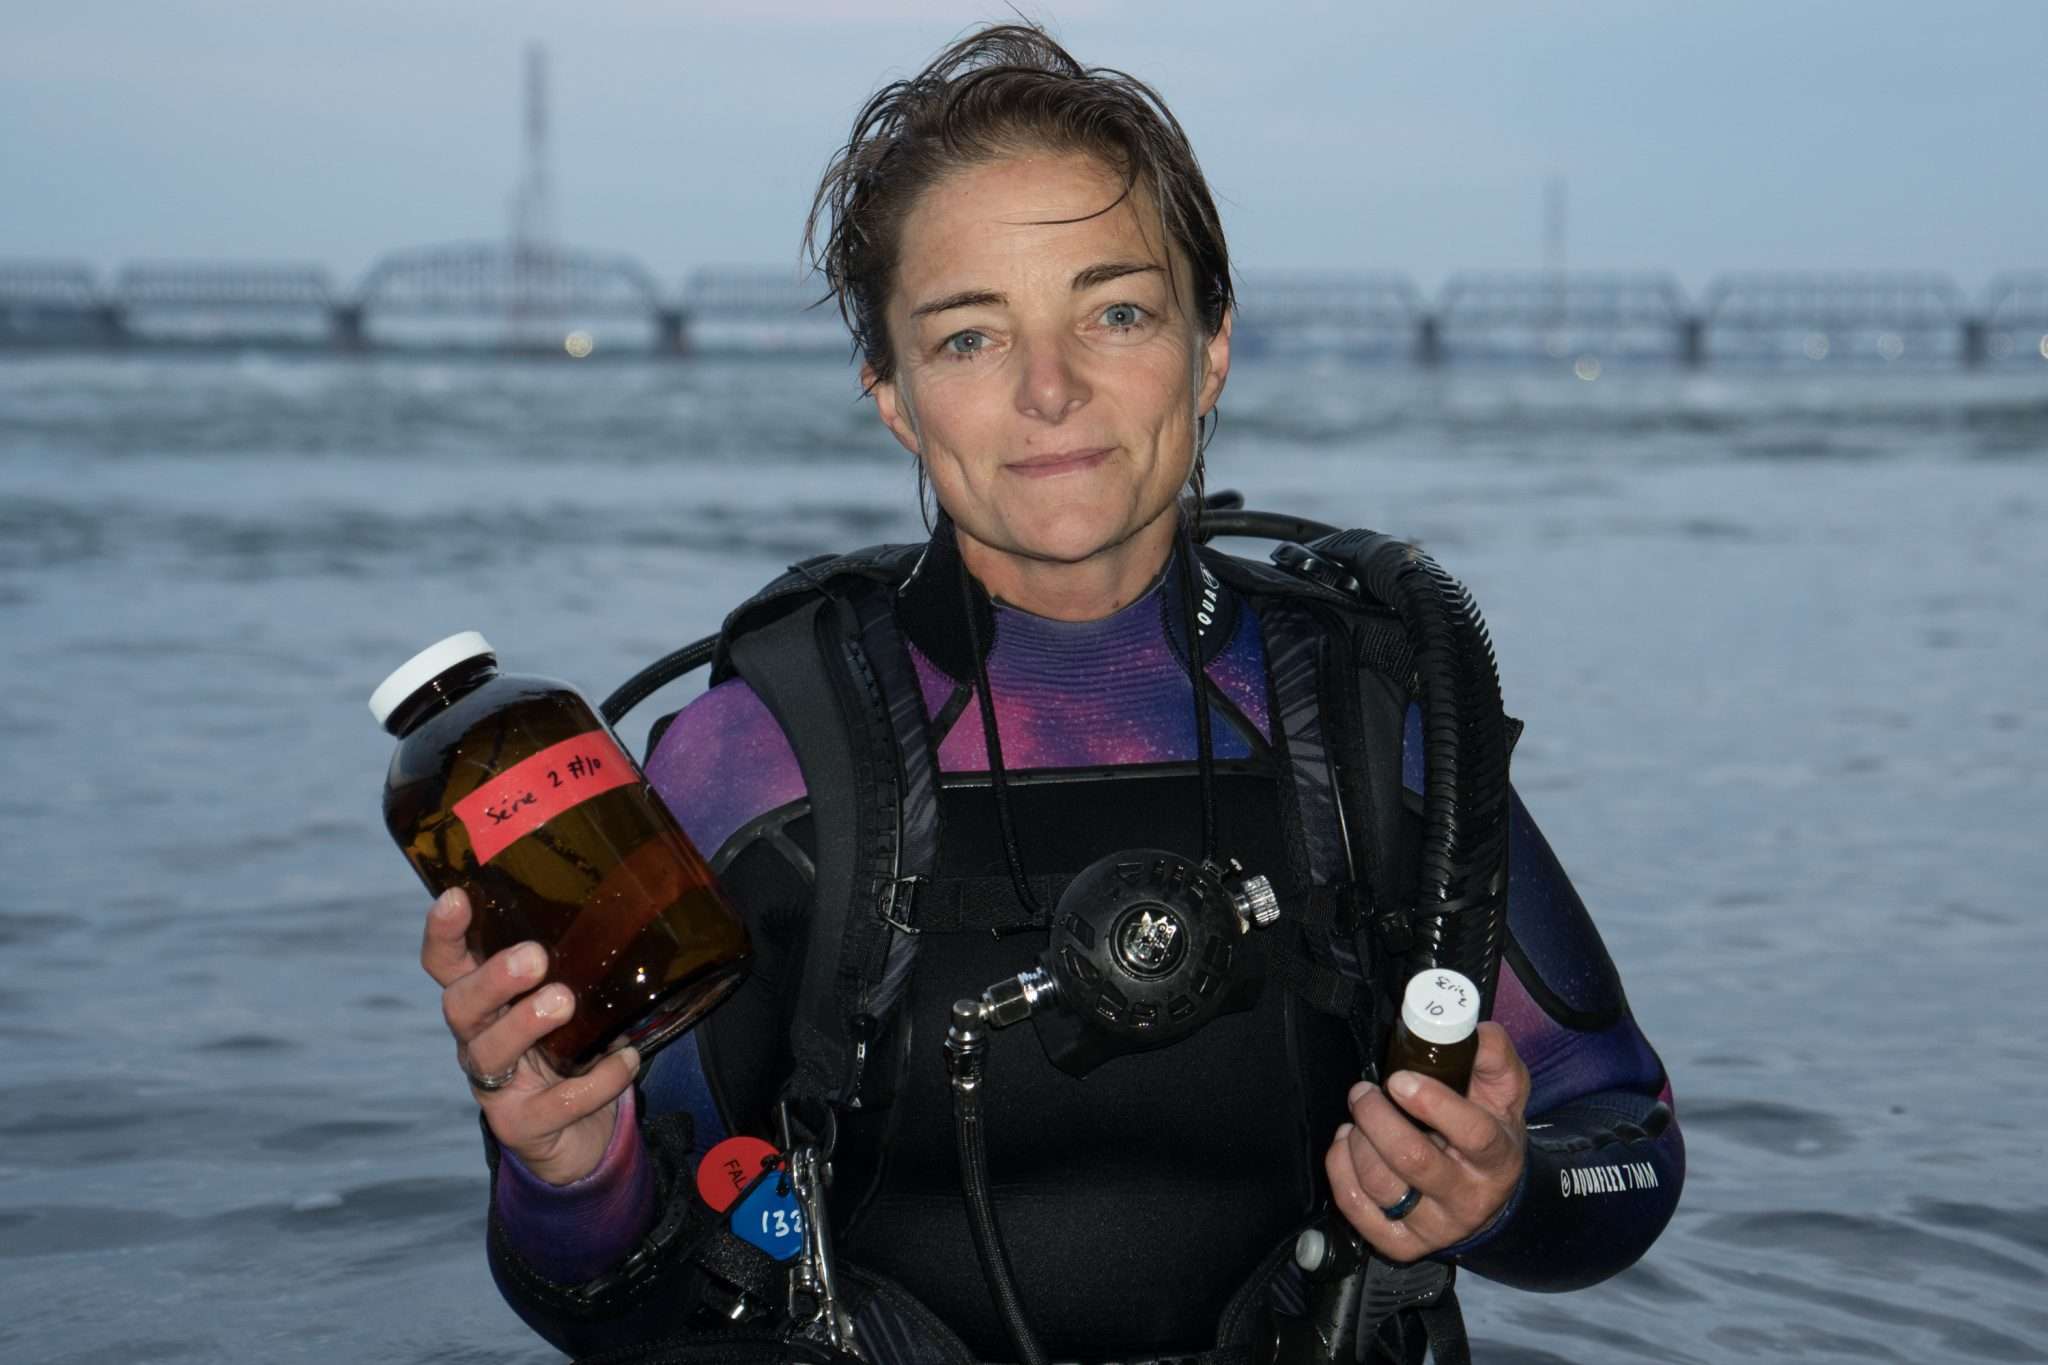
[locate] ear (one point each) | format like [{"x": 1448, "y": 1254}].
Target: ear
[
  {"x": 891, "y": 408},
  {"x": 1216, "y": 365}
]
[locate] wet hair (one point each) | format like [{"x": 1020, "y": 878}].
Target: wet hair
[{"x": 1002, "y": 90}]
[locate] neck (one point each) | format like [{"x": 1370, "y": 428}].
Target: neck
[{"x": 1085, "y": 590}]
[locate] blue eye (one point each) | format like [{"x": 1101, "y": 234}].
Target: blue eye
[
  {"x": 1122, "y": 316},
  {"x": 966, "y": 343}
]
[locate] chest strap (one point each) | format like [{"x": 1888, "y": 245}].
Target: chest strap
[{"x": 955, "y": 905}]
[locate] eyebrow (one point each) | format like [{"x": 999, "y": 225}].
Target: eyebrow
[{"x": 1086, "y": 278}]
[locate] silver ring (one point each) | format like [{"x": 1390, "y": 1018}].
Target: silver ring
[
  {"x": 488, "y": 1084},
  {"x": 1403, "y": 1206}
]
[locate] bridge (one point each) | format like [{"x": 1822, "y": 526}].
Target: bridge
[
  {"x": 54, "y": 301},
  {"x": 2015, "y": 311},
  {"x": 1292, "y": 312},
  {"x": 1504, "y": 315},
  {"x": 758, "y": 308},
  {"x": 1887, "y": 315},
  {"x": 187, "y": 284},
  {"x": 526, "y": 287},
  {"x": 497, "y": 296}
]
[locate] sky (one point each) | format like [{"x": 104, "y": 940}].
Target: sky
[{"x": 1695, "y": 138}]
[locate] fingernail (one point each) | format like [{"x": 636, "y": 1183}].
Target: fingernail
[
  {"x": 1359, "y": 1092},
  {"x": 632, "y": 1056},
  {"x": 1345, "y": 1131},
  {"x": 528, "y": 959},
  {"x": 444, "y": 904},
  {"x": 1404, "y": 1084},
  {"x": 552, "y": 1001}
]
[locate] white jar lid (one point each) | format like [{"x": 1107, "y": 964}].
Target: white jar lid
[
  {"x": 422, "y": 668},
  {"x": 1440, "y": 1006}
]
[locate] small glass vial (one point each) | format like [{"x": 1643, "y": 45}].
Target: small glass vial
[
  {"x": 1437, "y": 1035},
  {"x": 513, "y": 789}
]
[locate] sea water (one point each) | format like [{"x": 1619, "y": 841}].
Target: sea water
[{"x": 1779, "y": 640}]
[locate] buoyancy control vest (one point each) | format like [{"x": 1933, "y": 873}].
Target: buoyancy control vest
[
  {"x": 825, "y": 649},
  {"x": 1170, "y": 1184}
]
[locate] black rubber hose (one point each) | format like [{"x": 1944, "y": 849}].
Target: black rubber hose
[
  {"x": 981, "y": 1221},
  {"x": 657, "y": 675},
  {"x": 1224, "y": 516},
  {"x": 1230, "y": 521},
  {"x": 1461, "y": 903}
]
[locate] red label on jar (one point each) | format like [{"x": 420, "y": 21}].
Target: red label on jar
[{"x": 534, "y": 791}]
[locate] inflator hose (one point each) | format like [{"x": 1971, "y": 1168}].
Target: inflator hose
[
  {"x": 1224, "y": 516},
  {"x": 657, "y": 675},
  {"x": 1461, "y": 902}
]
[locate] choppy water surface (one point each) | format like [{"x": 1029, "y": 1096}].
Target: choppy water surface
[{"x": 1779, "y": 642}]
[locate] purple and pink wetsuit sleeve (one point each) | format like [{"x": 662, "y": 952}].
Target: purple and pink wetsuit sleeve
[
  {"x": 1605, "y": 1157},
  {"x": 573, "y": 1233},
  {"x": 722, "y": 762}
]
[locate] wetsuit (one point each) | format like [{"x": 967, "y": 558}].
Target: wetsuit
[{"x": 1606, "y": 1160}]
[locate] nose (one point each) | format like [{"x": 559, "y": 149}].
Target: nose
[{"x": 1050, "y": 384}]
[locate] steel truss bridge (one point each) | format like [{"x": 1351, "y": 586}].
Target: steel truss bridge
[{"x": 531, "y": 297}]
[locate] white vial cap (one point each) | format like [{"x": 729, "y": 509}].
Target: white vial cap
[
  {"x": 1440, "y": 1006},
  {"x": 422, "y": 668}
]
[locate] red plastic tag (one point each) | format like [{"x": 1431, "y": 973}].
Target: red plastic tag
[
  {"x": 535, "y": 790},
  {"x": 725, "y": 1172}
]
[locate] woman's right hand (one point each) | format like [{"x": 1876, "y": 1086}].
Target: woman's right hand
[{"x": 558, "y": 1128}]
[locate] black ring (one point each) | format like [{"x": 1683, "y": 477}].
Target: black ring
[{"x": 1403, "y": 1206}]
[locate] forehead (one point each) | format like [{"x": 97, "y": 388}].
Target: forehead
[{"x": 1033, "y": 212}]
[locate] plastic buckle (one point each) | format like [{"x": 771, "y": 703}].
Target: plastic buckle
[
  {"x": 1396, "y": 930},
  {"x": 903, "y": 889},
  {"x": 1314, "y": 567}
]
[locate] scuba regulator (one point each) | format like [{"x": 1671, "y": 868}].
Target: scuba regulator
[{"x": 1147, "y": 946}]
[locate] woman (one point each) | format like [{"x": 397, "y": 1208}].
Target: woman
[{"x": 1032, "y": 267}]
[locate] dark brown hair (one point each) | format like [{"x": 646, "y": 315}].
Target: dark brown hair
[{"x": 1001, "y": 90}]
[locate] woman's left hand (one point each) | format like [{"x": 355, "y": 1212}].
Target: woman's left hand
[{"x": 1464, "y": 1171}]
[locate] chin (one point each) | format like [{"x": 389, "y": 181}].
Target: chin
[{"x": 1076, "y": 535}]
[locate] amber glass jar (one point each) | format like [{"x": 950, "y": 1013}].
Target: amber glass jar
[
  {"x": 513, "y": 789},
  {"x": 1437, "y": 1034}
]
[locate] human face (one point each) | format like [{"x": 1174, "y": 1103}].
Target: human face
[{"x": 1050, "y": 375}]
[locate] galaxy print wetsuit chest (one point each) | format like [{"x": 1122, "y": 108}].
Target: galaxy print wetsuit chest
[{"x": 1134, "y": 1200}]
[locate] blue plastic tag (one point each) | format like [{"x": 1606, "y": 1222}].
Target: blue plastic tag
[{"x": 769, "y": 1217}]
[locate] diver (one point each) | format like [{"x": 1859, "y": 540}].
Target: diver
[{"x": 911, "y": 758}]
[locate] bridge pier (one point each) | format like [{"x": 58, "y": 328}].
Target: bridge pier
[
  {"x": 347, "y": 321},
  {"x": 1692, "y": 342},
  {"x": 1429, "y": 341},
  {"x": 1976, "y": 341},
  {"x": 672, "y": 335},
  {"x": 110, "y": 320}
]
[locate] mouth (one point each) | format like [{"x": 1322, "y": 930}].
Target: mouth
[{"x": 1059, "y": 462}]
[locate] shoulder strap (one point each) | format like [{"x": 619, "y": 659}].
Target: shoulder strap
[
  {"x": 1338, "y": 669},
  {"x": 819, "y": 647},
  {"x": 887, "y": 948},
  {"x": 804, "y": 581},
  {"x": 789, "y": 665}
]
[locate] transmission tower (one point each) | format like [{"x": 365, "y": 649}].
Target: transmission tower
[
  {"x": 535, "y": 260},
  {"x": 1555, "y": 204}
]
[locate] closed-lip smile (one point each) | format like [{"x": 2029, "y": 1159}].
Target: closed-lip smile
[{"x": 1059, "y": 462}]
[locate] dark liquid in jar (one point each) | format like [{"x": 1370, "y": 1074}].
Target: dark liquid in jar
[
  {"x": 632, "y": 919},
  {"x": 1450, "y": 1063}
]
